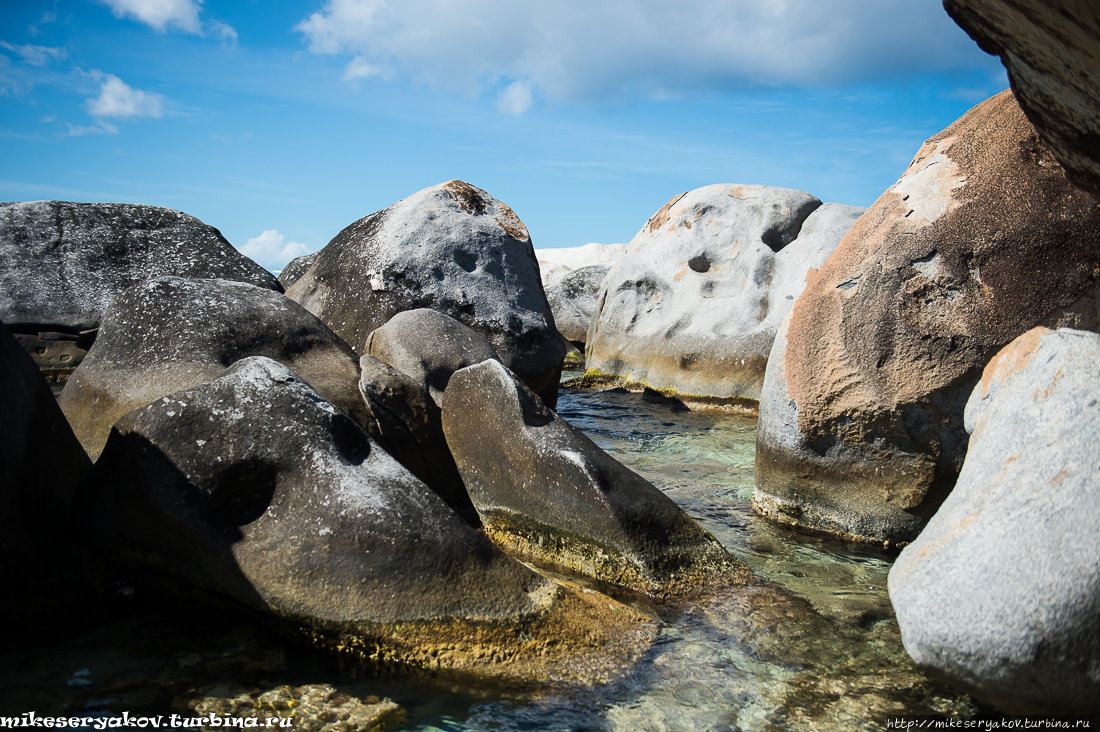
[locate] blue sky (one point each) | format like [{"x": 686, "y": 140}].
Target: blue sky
[{"x": 280, "y": 123}]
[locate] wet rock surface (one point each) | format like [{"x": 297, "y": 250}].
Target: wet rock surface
[
  {"x": 695, "y": 304},
  {"x": 170, "y": 333},
  {"x": 452, "y": 248},
  {"x": 311, "y": 708},
  {"x": 1001, "y": 591},
  {"x": 861, "y": 420}
]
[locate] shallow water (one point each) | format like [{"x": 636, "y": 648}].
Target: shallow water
[{"x": 814, "y": 646}]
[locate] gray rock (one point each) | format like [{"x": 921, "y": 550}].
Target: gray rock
[
  {"x": 428, "y": 347},
  {"x": 556, "y": 263},
  {"x": 451, "y": 248},
  {"x": 41, "y": 464},
  {"x": 1001, "y": 591},
  {"x": 168, "y": 334},
  {"x": 63, "y": 264},
  {"x": 1049, "y": 49},
  {"x": 695, "y": 305},
  {"x": 573, "y": 298},
  {"x": 547, "y": 493},
  {"x": 982, "y": 239},
  {"x": 295, "y": 268}
]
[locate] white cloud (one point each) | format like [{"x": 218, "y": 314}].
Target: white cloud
[
  {"x": 358, "y": 68},
  {"x": 119, "y": 100},
  {"x": 160, "y": 14},
  {"x": 36, "y": 55},
  {"x": 270, "y": 249},
  {"x": 516, "y": 98},
  {"x": 225, "y": 33},
  {"x": 101, "y": 128},
  {"x": 574, "y": 50}
]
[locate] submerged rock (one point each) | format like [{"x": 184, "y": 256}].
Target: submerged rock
[
  {"x": 861, "y": 421},
  {"x": 168, "y": 334},
  {"x": 452, "y": 248},
  {"x": 546, "y": 492},
  {"x": 573, "y": 299},
  {"x": 310, "y": 708},
  {"x": 254, "y": 492},
  {"x": 1001, "y": 591},
  {"x": 695, "y": 305}
]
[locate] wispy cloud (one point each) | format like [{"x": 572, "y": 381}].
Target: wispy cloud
[
  {"x": 516, "y": 98},
  {"x": 160, "y": 14},
  {"x": 119, "y": 100},
  {"x": 224, "y": 32},
  {"x": 100, "y": 128},
  {"x": 270, "y": 249},
  {"x": 36, "y": 55}
]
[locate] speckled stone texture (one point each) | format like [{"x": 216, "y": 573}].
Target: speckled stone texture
[
  {"x": 695, "y": 304},
  {"x": 861, "y": 423},
  {"x": 452, "y": 248},
  {"x": 169, "y": 333},
  {"x": 1051, "y": 49},
  {"x": 573, "y": 299},
  {"x": 63, "y": 264},
  {"x": 1001, "y": 591}
]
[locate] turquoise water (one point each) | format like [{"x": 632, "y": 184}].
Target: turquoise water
[{"x": 813, "y": 647}]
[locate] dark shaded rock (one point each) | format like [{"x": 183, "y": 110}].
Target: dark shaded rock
[
  {"x": 548, "y": 493},
  {"x": 429, "y": 347},
  {"x": 41, "y": 463},
  {"x": 409, "y": 426},
  {"x": 696, "y": 303},
  {"x": 295, "y": 268},
  {"x": 861, "y": 423},
  {"x": 1052, "y": 52},
  {"x": 63, "y": 264},
  {"x": 451, "y": 248},
  {"x": 1001, "y": 591},
  {"x": 573, "y": 298},
  {"x": 256, "y": 493},
  {"x": 168, "y": 334}
]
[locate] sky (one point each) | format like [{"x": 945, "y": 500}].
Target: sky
[{"x": 281, "y": 122}]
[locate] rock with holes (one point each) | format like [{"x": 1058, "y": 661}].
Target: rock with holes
[
  {"x": 1051, "y": 49},
  {"x": 169, "y": 333},
  {"x": 861, "y": 423},
  {"x": 64, "y": 264},
  {"x": 1001, "y": 591},
  {"x": 705, "y": 284},
  {"x": 452, "y": 248},
  {"x": 556, "y": 263},
  {"x": 573, "y": 298},
  {"x": 254, "y": 494},
  {"x": 547, "y": 493}
]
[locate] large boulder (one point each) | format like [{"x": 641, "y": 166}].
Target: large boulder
[
  {"x": 1001, "y": 591},
  {"x": 573, "y": 299},
  {"x": 41, "y": 464},
  {"x": 63, "y": 264},
  {"x": 695, "y": 305},
  {"x": 861, "y": 424},
  {"x": 547, "y": 493},
  {"x": 452, "y": 248},
  {"x": 253, "y": 493},
  {"x": 1051, "y": 49},
  {"x": 556, "y": 263},
  {"x": 295, "y": 268},
  {"x": 169, "y": 333}
]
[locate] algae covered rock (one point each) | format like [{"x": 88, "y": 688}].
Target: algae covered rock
[
  {"x": 695, "y": 304},
  {"x": 1000, "y": 593},
  {"x": 548, "y": 493},
  {"x": 452, "y": 248},
  {"x": 861, "y": 424},
  {"x": 168, "y": 334}
]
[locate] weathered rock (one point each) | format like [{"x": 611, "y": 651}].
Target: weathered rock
[
  {"x": 451, "y": 248},
  {"x": 1001, "y": 591},
  {"x": 41, "y": 464},
  {"x": 695, "y": 305},
  {"x": 546, "y": 492},
  {"x": 556, "y": 263},
  {"x": 861, "y": 427},
  {"x": 1051, "y": 49},
  {"x": 255, "y": 493},
  {"x": 313, "y": 708},
  {"x": 64, "y": 263},
  {"x": 168, "y": 334},
  {"x": 295, "y": 268},
  {"x": 429, "y": 347},
  {"x": 573, "y": 298},
  {"x": 408, "y": 424}
]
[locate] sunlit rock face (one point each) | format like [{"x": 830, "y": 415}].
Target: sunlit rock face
[
  {"x": 695, "y": 304},
  {"x": 983, "y": 237},
  {"x": 1001, "y": 591},
  {"x": 1052, "y": 52},
  {"x": 573, "y": 300},
  {"x": 452, "y": 248}
]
